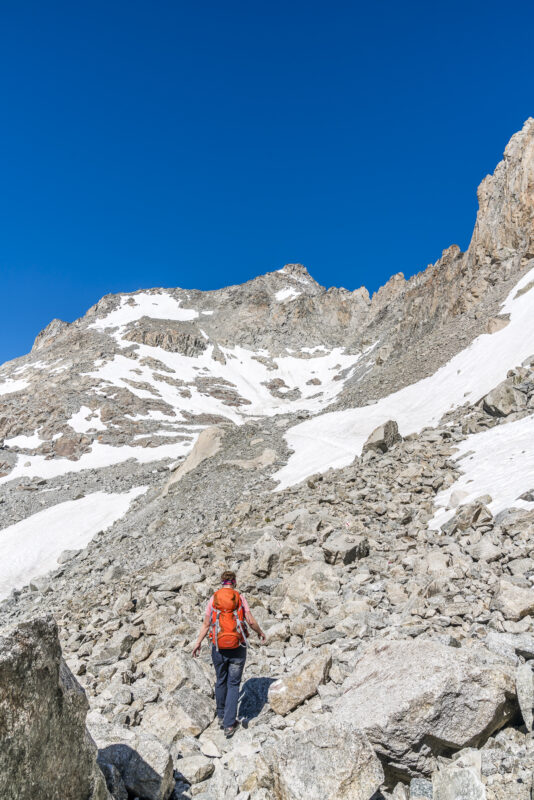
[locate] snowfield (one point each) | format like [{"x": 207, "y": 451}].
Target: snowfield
[
  {"x": 30, "y": 548},
  {"x": 243, "y": 373},
  {"x": 335, "y": 438},
  {"x": 133, "y": 307},
  {"x": 498, "y": 462},
  {"x": 100, "y": 455}
]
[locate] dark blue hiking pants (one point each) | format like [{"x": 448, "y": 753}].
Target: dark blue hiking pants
[{"x": 229, "y": 666}]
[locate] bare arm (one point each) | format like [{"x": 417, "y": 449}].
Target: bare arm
[
  {"x": 201, "y": 636},
  {"x": 254, "y": 625}
]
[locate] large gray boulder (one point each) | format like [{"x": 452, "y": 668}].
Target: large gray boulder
[
  {"x": 504, "y": 400},
  {"x": 45, "y": 750},
  {"x": 514, "y": 602},
  {"x": 383, "y": 438},
  {"x": 416, "y": 699},
  {"x": 327, "y": 762}
]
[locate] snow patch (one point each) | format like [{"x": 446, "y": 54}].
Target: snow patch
[
  {"x": 24, "y": 442},
  {"x": 498, "y": 462},
  {"x": 100, "y": 455},
  {"x": 287, "y": 294},
  {"x": 156, "y": 306},
  {"x": 10, "y": 386},
  {"x": 246, "y": 375},
  {"x": 30, "y": 548},
  {"x": 86, "y": 419},
  {"x": 334, "y": 439}
]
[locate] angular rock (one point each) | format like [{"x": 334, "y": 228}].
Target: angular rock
[
  {"x": 504, "y": 400},
  {"x": 341, "y": 548},
  {"x": 383, "y": 438},
  {"x": 288, "y": 692},
  {"x": 524, "y": 683},
  {"x": 416, "y": 699},
  {"x": 420, "y": 789},
  {"x": 513, "y": 601},
  {"x": 452, "y": 783},
  {"x": 327, "y": 762},
  {"x": 309, "y": 583},
  {"x": 175, "y": 576},
  {"x": 45, "y": 750},
  {"x": 178, "y": 669},
  {"x": 195, "y": 768},
  {"x": 265, "y": 554},
  {"x": 522, "y": 644},
  {"x": 188, "y": 713}
]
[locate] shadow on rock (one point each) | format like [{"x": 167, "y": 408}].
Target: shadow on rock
[
  {"x": 127, "y": 773},
  {"x": 253, "y": 697}
]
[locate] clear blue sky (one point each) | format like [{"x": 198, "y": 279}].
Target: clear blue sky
[{"x": 198, "y": 144}]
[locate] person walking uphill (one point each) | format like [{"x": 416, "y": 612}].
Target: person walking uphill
[{"x": 226, "y": 619}]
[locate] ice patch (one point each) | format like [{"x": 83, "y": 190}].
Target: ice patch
[
  {"x": 31, "y": 547},
  {"x": 334, "y": 439},
  {"x": 501, "y": 464}
]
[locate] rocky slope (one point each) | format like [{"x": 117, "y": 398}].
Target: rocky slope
[{"x": 169, "y": 434}]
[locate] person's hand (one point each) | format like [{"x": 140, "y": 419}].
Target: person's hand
[
  {"x": 196, "y": 650},
  {"x": 262, "y": 637}
]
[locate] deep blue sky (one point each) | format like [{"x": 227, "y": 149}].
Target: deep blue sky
[{"x": 198, "y": 144}]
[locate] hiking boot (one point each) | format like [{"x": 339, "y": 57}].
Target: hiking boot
[
  {"x": 229, "y": 732},
  {"x": 221, "y": 724}
]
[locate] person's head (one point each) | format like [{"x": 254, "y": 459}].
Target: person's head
[{"x": 228, "y": 578}]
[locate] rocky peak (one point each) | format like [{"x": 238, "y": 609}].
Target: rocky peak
[
  {"x": 504, "y": 227},
  {"x": 49, "y": 334}
]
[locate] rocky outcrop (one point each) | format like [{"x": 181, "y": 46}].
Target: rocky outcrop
[
  {"x": 330, "y": 762},
  {"x": 45, "y": 750},
  {"x": 418, "y": 699}
]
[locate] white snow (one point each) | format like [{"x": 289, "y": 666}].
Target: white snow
[
  {"x": 9, "y": 386},
  {"x": 133, "y": 307},
  {"x": 287, "y": 294},
  {"x": 31, "y": 547},
  {"x": 498, "y": 462},
  {"x": 86, "y": 419},
  {"x": 24, "y": 442},
  {"x": 334, "y": 439},
  {"x": 100, "y": 455},
  {"x": 242, "y": 370}
]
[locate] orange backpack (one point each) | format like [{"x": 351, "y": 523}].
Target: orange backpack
[{"x": 227, "y": 624}]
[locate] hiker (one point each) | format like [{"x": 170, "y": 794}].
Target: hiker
[{"x": 226, "y": 618}]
